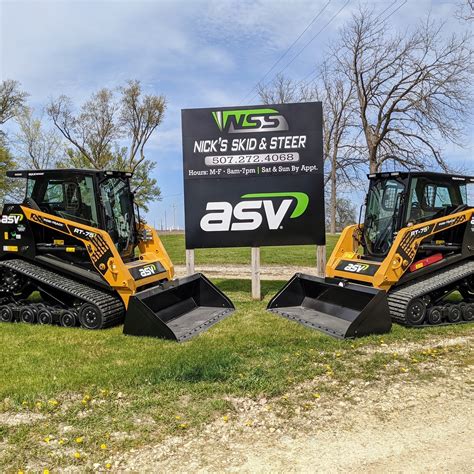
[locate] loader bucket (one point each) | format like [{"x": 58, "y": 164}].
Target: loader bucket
[
  {"x": 335, "y": 307},
  {"x": 177, "y": 309}
]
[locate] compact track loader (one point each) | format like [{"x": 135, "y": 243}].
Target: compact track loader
[
  {"x": 411, "y": 261},
  {"x": 77, "y": 239}
]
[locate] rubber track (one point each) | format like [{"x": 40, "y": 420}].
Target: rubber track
[
  {"x": 111, "y": 306},
  {"x": 398, "y": 300}
]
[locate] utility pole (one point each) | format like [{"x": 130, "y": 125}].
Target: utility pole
[{"x": 174, "y": 216}]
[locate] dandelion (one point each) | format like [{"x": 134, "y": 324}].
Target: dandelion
[
  {"x": 61, "y": 442},
  {"x": 79, "y": 440},
  {"x": 45, "y": 471},
  {"x": 183, "y": 426},
  {"x": 103, "y": 446},
  {"x": 225, "y": 418},
  {"x": 177, "y": 417},
  {"x": 53, "y": 403},
  {"x": 47, "y": 439},
  {"x": 108, "y": 466},
  {"x": 38, "y": 405},
  {"x": 21, "y": 472},
  {"x": 77, "y": 455},
  {"x": 316, "y": 395},
  {"x": 104, "y": 392}
]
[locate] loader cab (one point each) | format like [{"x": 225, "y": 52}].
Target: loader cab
[
  {"x": 99, "y": 199},
  {"x": 398, "y": 200}
]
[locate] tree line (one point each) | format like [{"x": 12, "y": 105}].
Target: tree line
[
  {"x": 110, "y": 130},
  {"x": 391, "y": 100}
]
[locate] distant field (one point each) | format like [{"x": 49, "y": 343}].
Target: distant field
[{"x": 304, "y": 255}]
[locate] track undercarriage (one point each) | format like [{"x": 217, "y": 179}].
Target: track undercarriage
[
  {"x": 63, "y": 301},
  {"x": 446, "y": 297}
]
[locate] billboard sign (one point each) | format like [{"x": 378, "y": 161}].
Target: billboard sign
[{"x": 253, "y": 176}]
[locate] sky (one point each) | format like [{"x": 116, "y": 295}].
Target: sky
[{"x": 195, "y": 53}]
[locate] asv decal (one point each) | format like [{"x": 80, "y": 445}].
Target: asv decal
[
  {"x": 249, "y": 215},
  {"x": 250, "y": 120},
  {"x": 356, "y": 267},
  {"x": 147, "y": 271},
  {"x": 12, "y": 219}
]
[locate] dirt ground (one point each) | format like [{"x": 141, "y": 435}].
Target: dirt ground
[
  {"x": 407, "y": 424},
  {"x": 273, "y": 272}
]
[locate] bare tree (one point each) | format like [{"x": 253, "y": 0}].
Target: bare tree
[
  {"x": 37, "y": 147},
  {"x": 282, "y": 90},
  {"x": 413, "y": 89},
  {"x": 92, "y": 131},
  {"x": 337, "y": 97},
  {"x": 345, "y": 214},
  {"x": 465, "y": 10},
  {"x": 105, "y": 121},
  {"x": 12, "y": 100},
  {"x": 140, "y": 116}
]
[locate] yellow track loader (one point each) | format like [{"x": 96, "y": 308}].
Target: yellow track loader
[
  {"x": 411, "y": 261},
  {"x": 77, "y": 239}
]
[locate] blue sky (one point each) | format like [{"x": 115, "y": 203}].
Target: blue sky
[{"x": 196, "y": 53}]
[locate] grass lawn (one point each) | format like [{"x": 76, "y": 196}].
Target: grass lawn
[
  {"x": 304, "y": 255},
  {"x": 90, "y": 395}
]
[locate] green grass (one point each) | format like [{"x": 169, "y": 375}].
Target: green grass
[
  {"x": 303, "y": 255},
  {"x": 107, "y": 383}
]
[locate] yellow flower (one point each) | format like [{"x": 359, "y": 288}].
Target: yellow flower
[
  {"x": 316, "y": 395},
  {"x": 47, "y": 439},
  {"x": 38, "y": 404},
  {"x": 79, "y": 440},
  {"x": 108, "y": 466},
  {"x": 21, "y": 472},
  {"x": 103, "y": 446},
  {"x": 177, "y": 417},
  {"x": 45, "y": 471},
  {"x": 77, "y": 455},
  {"x": 183, "y": 426},
  {"x": 53, "y": 403},
  {"x": 225, "y": 418},
  {"x": 403, "y": 369},
  {"x": 61, "y": 442}
]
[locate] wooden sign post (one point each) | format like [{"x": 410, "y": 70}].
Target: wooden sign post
[
  {"x": 190, "y": 262},
  {"x": 256, "y": 288}
]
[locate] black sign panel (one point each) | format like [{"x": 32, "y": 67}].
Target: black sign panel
[{"x": 253, "y": 176}]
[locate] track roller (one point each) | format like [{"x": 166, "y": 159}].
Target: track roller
[
  {"x": 68, "y": 319},
  {"x": 45, "y": 316},
  {"x": 6, "y": 313},
  {"x": 28, "y": 314},
  {"x": 435, "y": 315}
]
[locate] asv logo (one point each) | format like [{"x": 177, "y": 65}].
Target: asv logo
[
  {"x": 12, "y": 219},
  {"x": 250, "y": 121},
  {"x": 248, "y": 215},
  {"x": 356, "y": 267},
  {"x": 147, "y": 271}
]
